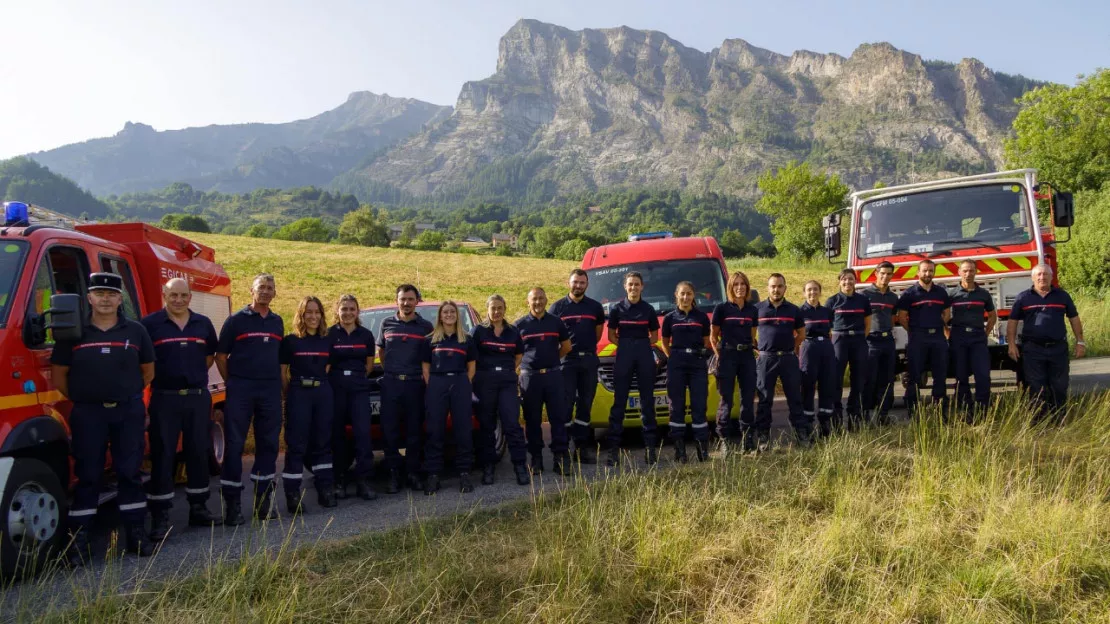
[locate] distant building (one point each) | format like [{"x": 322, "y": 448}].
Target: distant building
[
  {"x": 474, "y": 239},
  {"x": 396, "y": 229},
  {"x": 500, "y": 240},
  {"x": 594, "y": 209}
]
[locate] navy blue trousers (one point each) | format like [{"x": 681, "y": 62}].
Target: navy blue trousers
[
  {"x": 851, "y": 357},
  {"x": 878, "y": 393},
  {"x": 927, "y": 352},
  {"x": 539, "y": 390},
  {"x": 499, "y": 401},
  {"x": 308, "y": 432},
  {"x": 1046, "y": 375},
  {"x": 351, "y": 401},
  {"x": 769, "y": 369},
  {"x": 580, "y": 386},
  {"x": 174, "y": 416},
  {"x": 634, "y": 359},
  {"x": 258, "y": 400},
  {"x": 402, "y": 411},
  {"x": 94, "y": 429},
  {"x": 971, "y": 356},
  {"x": 735, "y": 368},
  {"x": 449, "y": 394},
  {"x": 819, "y": 367},
  {"x": 687, "y": 373}
]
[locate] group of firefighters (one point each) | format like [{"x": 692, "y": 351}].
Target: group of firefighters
[{"x": 546, "y": 360}]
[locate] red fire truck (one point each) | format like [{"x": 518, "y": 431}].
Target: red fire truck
[
  {"x": 1006, "y": 222},
  {"x": 44, "y": 271}
]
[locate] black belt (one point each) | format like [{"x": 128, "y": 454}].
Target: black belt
[
  {"x": 438, "y": 374},
  {"x": 778, "y": 353},
  {"x": 885, "y": 334},
  {"x": 348, "y": 373},
  {"x": 180, "y": 392},
  {"x": 926, "y": 330},
  {"x": 957, "y": 328},
  {"x": 817, "y": 338},
  {"x": 579, "y": 354},
  {"x": 405, "y": 376},
  {"x": 848, "y": 332},
  {"x": 739, "y": 347},
  {"x": 1040, "y": 342},
  {"x": 307, "y": 382},
  {"x": 540, "y": 371}
]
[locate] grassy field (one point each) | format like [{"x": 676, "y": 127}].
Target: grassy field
[{"x": 922, "y": 522}]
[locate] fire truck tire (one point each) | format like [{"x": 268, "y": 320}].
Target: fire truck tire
[
  {"x": 32, "y": 512},
  {"x": 216, "y": 449}
]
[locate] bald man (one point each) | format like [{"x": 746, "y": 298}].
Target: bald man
[{"x": 184, "y": 347}]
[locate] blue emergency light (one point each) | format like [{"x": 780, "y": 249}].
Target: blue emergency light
[
  {"x": 649, "y": 236},
  {"x": 15, "y": 212}
]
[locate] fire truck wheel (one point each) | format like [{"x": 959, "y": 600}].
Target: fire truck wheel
[
  {"x": 32, "y": 510},
  {"x": 216, "y": 452}
]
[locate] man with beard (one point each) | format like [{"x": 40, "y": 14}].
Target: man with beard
[
  {"x": 780, "y": 330},
  {"x": 923, "y": 310},
  {"x": 968, "y": 339},
  {"x": 585, "y": 318},
  {"x": 878, "y": 393}
]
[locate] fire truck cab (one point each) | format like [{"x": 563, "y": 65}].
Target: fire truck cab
[
  {"x": 992, "y": 219},
  {"x": 43, "y": 266}
]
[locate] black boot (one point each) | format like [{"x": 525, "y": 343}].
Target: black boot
[
  {"x": 537, "y": 464},
  {"x": 341, "y": 487},
  {"x": 487, "y": 474},
  {"x": 364, "y": 490},
  {"x": 78, "y": 555},
  {"x": 325, "y": 497},
  {"x": 431, "y": 484},
  {"x": 561, "y": 464},
  {"x": 415, "y": 484},
  {"x": 394, "y": 484},
  {"x": 584, "y": 454},
  {"x": 159, "y": 524},
  {"x": 763, "y": 443},
  {"x": 824, "y": 426},
  {"x": 614, "y": 458},
  {"x": 805, "y": 438},
  {"x": 264, "y": 505},
  {"x": 702, "y": 449},
  {"x": 523, "y": 477},
  {"x": 749, "y": 443},
  {"x": 651, "y": 455},
  {"x": 136, "y": 540},
  {"x": 233, "y": 512},
  {"x": 465, "y": 486},
  {"x": 293, "y": 502},
  {"x": 680, "y": 451},
  {"x": 200, "y": 516}
]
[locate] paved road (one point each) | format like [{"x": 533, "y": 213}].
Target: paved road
[{"x": 190, "y": 549}]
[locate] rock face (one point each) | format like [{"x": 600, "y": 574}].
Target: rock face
[
  {"x": 579, "y": 110},
  {"x": 241, "y": 157}
]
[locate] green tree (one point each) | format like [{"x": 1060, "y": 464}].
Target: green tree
[
  {"x": 362, "y": 227},
  {"x": 193, "y": 223},
  {"x": 169, "y": 221},
  {"x": 762, "y": 247},
  {"x": 1085, "y": 260},
  {"x": 545, "y": 240},
  {"x": 259, "y": 230},
  {"x": 573, "y": 249},
  {"x": 796, "y": 197},
  {"x": 734, "y": 244},
  {"x": 308, "y": 229},
  {"x": 1065, "y": 133},
  {"x": 430, "y": 240}
]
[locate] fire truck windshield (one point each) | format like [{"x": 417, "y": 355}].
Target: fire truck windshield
[
  {"x": 660, "y": 279},
  {"x": 987, "y": 215},
  {"x": 11, "y": 264}
]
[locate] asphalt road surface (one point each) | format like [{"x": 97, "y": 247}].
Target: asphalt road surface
[{"x": 188, "y": 549}]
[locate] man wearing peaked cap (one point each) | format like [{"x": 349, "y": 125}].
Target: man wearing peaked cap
[{"x": 103, "y": 373}]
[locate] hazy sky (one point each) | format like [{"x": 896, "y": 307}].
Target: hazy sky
[{"x": 75, "y": 70}]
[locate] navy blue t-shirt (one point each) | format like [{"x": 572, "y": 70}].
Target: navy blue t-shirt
[
  {"x": 181, "y": 353},
  {"x": 736, "y": 323},
  {"x": 970, "y": 307},
  {"x": 1043, "y": 316},
  {"x": 582, "y": 318},
  {"x": 849, "y": 311},
  {"x": 925, "y": 307},
  {"x": 449, "y": 355},
  {"x": 252, "y": 343},
  {"x": 542, "y": 338},
  {"x": 402, "y": 343},
  {"x": 497, "y": 353},
  {"x": 105, "y": 366},
  {"x": 349, "y": 352},
  {"x": 633, "y": 321},
  {"x": 777, "y": 325},
  {"x": 882, "y": 309},
  {"x": 818, "y": 320},
  {"x": 687, "y": 330},
  {"x": 307, "y": 357}
]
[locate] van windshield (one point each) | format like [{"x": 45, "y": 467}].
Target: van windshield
[
  {"x": 660, "y": 279},
  {"x": 12, "y": 254}
]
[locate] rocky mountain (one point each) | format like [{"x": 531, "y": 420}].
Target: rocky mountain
[
  {"x": 242, "y": 157},
  {"x": 580, "y": 110}
]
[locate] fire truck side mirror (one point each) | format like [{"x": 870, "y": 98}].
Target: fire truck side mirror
[
  {"x": 831, "y": 223},
  {"x": 65, "y": 317},
  {"x": 832, "y": 220},
  {"x": 1064, "y": 214}
]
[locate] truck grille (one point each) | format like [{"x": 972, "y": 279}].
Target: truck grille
[{"x": 605, "y": 376}]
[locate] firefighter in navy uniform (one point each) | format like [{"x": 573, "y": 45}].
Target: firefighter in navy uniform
[
  {"x": 968, "y": 339},
  {"x": 352, "y": 357},
  {"x": 248, "y": 357},
  {"x": 104, "y": 374},
  {"x": 400, "y": 349},
  {"x": 781, "y": 330},
  {"x": 180, "y": 406},
  {"x": 817, "y": 361},
  {"x": 850, "y": 328},
  {"x": 496, "y": 385},
  {"x": 448, "y": 366},
  {"x": 309, "y": 406},
  {"x": 923, "y": 309},
  {"x": 585, "y": 318},
  {"x": 546, "y": 340},
  {"x": 878, "y": 392},
  {"x": 732, "y": 333},
  {"x": 634, "y": 328},
  {"x": 686, "y": 345},
  {"x": 1044, "y": 341}
]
